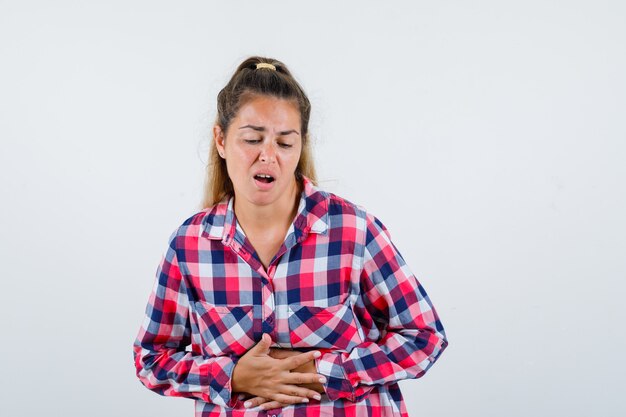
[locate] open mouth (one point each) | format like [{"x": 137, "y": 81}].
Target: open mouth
[{"x": 264, "y": 178}]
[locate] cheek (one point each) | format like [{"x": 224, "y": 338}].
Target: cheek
[
  {"x": 238, "y": 163},
  {"x": 290, "y": 161},
  {"x": 241, "y": 157},
  {"x": 293, "y": 156},
  {"x": 297, "y": 157}
]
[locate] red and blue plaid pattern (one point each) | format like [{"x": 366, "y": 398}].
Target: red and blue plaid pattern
[{"x": 337, "y": 284}]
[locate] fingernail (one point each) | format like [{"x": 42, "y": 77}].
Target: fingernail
[
  {"x": 305, "y": 400},
  {"x": 317, "y": 397},
  {"x": 317, "y": 354},
  {"x": 322, "y": 380},
  {"x": 247, "y": 404}
]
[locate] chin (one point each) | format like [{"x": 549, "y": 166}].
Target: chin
[{"x": 262, "y": 200}]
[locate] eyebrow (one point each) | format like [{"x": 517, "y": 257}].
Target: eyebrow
[{"x": 262, "y": 129}]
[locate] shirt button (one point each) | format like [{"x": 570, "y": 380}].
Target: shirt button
[{"x": 270, "y": 319}]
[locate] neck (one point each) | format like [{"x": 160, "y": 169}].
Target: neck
[{"x": 278, "y": 214}]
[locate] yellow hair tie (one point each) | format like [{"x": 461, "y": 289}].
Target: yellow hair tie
[{"x": 265, "y": 65}]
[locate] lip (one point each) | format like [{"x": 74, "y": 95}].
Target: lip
[
  {"x": 264, "y": 185},
  {"x": 265, "y": 173}
]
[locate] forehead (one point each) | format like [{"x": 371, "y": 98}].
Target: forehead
[{"x": 270, "y": 112}]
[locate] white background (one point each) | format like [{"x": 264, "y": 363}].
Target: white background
[{"x": 488, "y": 136}]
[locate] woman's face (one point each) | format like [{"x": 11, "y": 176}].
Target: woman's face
[{"x": 263, "y": 140}]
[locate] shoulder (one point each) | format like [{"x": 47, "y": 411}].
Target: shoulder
[
  {"x": 195, "y": 224},
  {"x": 341, "y": 207}
]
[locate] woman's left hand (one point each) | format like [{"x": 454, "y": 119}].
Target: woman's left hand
[{"x": 308, "y": 367}]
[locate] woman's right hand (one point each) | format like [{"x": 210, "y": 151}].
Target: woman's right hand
[{"x": 260, "y": 375}]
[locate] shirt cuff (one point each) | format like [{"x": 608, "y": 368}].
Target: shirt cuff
[
  {"x": 337, "y": 384},
  {"x": 219, "y": 381}
]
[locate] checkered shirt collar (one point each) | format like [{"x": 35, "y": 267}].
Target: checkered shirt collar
[{"x": 312, "y": 216}]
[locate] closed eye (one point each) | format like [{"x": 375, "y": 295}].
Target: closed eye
[
  {"x": 252, "y": 140},
  {"x": 285, "y": 145}
]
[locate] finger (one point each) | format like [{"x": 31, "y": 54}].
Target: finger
[
  {"x": 265, "y": 404},
  {"x": 253, "y": 402},
  {"x": 292, "y": 396},
  {"x": 318, "y": 388},
  {"x": 300, "y": 359},
  {"x": 272, "y": 404},
  {"x": 244, "y": 396},
  {"x": 309, "y": 393},
  {"x": 295, "y": 394},
  {"x": 297, "y": 378},
  {"x": 263, "y": 346}
]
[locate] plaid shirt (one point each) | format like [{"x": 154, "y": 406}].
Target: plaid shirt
[{"x": 337, "y": 284}]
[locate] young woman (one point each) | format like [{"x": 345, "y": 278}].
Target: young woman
[{"x": 292, "y": 300}]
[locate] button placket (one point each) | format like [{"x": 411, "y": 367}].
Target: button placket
[{"x": 267, "y": 291}]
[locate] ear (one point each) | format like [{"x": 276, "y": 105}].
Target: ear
[{"x": 218, "y": 135}]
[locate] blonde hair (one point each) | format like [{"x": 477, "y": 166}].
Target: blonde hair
[{"x": 249, "y": 81}]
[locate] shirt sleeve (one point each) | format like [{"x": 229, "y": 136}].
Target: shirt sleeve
[
  {"x": 412, "y": 337},
  {"x": 162, "y": 362}
]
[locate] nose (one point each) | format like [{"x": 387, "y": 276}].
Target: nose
[{"x": 268, "y": 153}]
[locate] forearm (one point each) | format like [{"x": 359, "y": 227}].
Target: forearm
[
  {"x": 395, "y": 357},
  {"x": 162, "y": 362},
  {"x": 407, "y": 337},
  {"x": 175, "y": 373}
]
